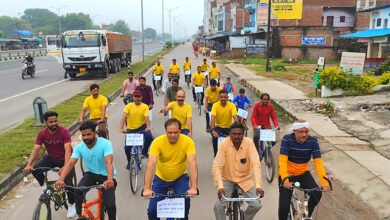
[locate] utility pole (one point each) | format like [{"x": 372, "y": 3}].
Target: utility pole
[
  {"x": 175, "y": 27},
  {"x": 162, "y": 13},
  {"x": 170, "y": 18},
  {"x": 142, "y": 27},
  {"x": 267, "y": 67},
  {"x": 59, "y": 15}
]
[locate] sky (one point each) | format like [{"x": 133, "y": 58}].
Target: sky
[{"x": 190, "y": 12}]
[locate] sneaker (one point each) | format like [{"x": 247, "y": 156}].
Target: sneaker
[
  {"x": 128, "y": 166},
  {"x": 71, "y": 211}
]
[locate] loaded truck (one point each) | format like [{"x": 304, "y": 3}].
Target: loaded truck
[{"x": 93, "y": 51}]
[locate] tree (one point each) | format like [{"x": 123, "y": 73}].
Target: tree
[
  {"x": 39, "y": 17},
  {"x": 76, "y": 21},
  {"x": 1, "y": 34},
  {"x": 121, "y": 26},
  {"x": 9, "y": 25},
  {"x": 150, "y": 33}
]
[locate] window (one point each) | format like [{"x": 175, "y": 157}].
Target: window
[
  {"x": 329, "y": 21},
  {"x": 342, "y": 19},
  {"x": 379, "y": 22},
  {"x": 385, "y": 23}
]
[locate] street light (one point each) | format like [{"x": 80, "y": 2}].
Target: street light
[
  {"x": 59, "y": 15},
  {"x": 142, "y": 26},
  {"x": 174, "y": 27},
  {"x": 170, "y": 28},
  {"x": 162, "y": 15}
]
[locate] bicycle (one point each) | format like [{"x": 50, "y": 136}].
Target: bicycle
[
  {"x": 157, "y": 80},
  {"x": 43, "y": 208},
  {"x": 235, "y": 204},
  {"x": 198, "y": 92},
  {"x": 206, "y": 75},
  {"x": 86, "y": 213},
  {"x": 300, "y": 210},
  {"x": 243, "y": 114},
  {"x": 187, "y": 75},
  {"x": 266, "y": 154},
  {"x": 136, "y": 142}
]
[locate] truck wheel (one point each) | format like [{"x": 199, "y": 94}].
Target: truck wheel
[
  {"x": 112, "y": 66},
  {"x": 72, "y": 75},
  {"x": 105, "y": 71},
  {"x": 118, "y": 65}
]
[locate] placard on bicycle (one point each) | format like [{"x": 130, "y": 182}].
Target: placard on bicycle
[
  {"x": 134, "y": 139},
  {"x": 187, "y": 72},
  {"x": 157, "y": 77},
  {"x": 198, "y": 89},
  {"x": 242, "y": 113},
  {"x": 267, "y": 135},
  {"x": 170, "y": 208}
]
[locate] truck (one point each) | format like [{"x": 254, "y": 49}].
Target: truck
[{"x": 93, "y": 51}]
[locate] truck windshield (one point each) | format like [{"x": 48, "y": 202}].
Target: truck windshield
[{"x": 85, "y": 40}]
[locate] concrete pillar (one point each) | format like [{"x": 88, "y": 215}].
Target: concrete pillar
[
  {"x": 369, "y": 48},
  {"x": 380, "y": 51}
]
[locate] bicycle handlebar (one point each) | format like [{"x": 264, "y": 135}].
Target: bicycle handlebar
[
  {"x": 46, "y": 169},
  {"x": 84, "y": 188},
  {"x": 307, "y": 190},
  {"x": 139, "y": 132},
  {"x": 241, "y": 199},
  {"x": 179, "y": 195}
]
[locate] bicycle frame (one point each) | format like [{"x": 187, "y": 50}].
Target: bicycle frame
[{"x": 86, "y": 205}]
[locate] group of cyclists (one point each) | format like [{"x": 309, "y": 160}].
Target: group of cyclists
[{"x": 173, "y": 154}]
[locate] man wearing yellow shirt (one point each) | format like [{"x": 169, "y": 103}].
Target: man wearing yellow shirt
[
  {"x": 198, "y": 79},
  {"x": 237, "y": 151},
  {"x": 182, "y": 112},
  {"x": 97, "y": 106},
  {"x": 212, "y": 96},
  {"x": 136, "y": 114},
  {"x": 205, "y": 67},
  {"x": 222, "y": 114},
  {"x": 172, "y": 153},
  {"x": 174, "y": 68},
  {"x": 187, "y": 69},
  {"x": 158, "y": 72},
  {"x": 214, "y": 73}
]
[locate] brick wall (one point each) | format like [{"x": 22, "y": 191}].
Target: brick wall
[
  {"x": 362, "y": 21},
  {"x": 382, "y": 2}
]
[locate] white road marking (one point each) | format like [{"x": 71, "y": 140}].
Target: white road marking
[
  {"x": 32, "y": 90},
  {"x": 40, "y": 71}
]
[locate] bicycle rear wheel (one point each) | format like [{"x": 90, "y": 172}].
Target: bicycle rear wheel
[
  {"x": 42, "y": 211},
  {"x": 198, "y": 100},
  {"x": 133, "y": 174},
  {"x": 269, "y": 163}
]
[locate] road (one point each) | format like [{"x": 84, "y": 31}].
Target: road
[
  {"x": 16, "y": 95},
  {"x": 19, "y": 203}
]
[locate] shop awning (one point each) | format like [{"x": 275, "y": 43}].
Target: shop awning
[{"x": 369, "y": 33}]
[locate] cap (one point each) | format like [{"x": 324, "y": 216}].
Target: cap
[{"x": 137, "y": 93}]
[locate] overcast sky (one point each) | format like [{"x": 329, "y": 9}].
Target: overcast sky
[{"x": 107, "y": 11}]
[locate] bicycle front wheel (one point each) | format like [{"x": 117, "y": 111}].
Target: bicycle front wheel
[
  {"x": 133, "y": 174},
  {"x": 199, "y": 104},
  {"x": 236, "y": 210},
  {"x": 42, "y": 211},
  {"x": 291, "y": 213},
  {"x": 269, "y": 163}
]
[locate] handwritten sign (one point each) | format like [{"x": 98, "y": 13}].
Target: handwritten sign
[
  {"x": 267, "y": 135},
  {"x": 352, "y": 62},
  {"x": 170, "y": 208},
  {"x": 157, "y": 77},
  {"x": 231, "y": 96},
  {"x": 242, "y": 113},
  {"x": 220, "y": 139},
  {"x": 134, "y": 139},
  {"x": 198, "y": 89},
  {"x": 187, "y": 72}
]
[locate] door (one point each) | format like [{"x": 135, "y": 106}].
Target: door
[
  {"x": 53, "y": 47},
  {"x": 329, "y": 21}
]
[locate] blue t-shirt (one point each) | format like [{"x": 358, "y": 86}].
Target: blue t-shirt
[
  {"x": 94, "y": 157},
  {"x": 300, "y": 153},
  {"x": 241, "y": 101}
]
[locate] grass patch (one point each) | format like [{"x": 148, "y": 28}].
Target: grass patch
[{"x": 17, "y": 143}]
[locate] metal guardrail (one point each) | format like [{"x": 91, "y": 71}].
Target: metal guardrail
[{"x": 11, "y": 54}]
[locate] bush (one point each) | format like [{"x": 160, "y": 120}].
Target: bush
[
  {"x": 168, "y": 44},
  {"x": 278, "y": 67},
  {"x": 362, "y": 85},
  {"x": 176, "y": 44},
  {"x": 333, "y": 78},
  {"x": 384, "y": 78}
]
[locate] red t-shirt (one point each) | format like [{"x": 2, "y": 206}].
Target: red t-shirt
[
  {"x": 261, "y": 116},
  {"x": 54, "y": 143}
]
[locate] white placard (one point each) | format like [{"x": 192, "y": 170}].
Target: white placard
[
  {"x": 242, "y": 113},
  {"x": 134, "y": 139},
  {"x": 220, "y": 139},
  {"x": 157, "y": 77},
  {"x": 170, "y": 208},
  {"x": 321, "y": 61},
  {"x": 198, "y": 89},
  {"x": 187, "y": 72},
  {"x": 206, "y": 73},
  {"x": 231, "y": 96},
  {"x": 150, "y": 116},
  {"x": 267, "y": 135},
  {"x": 216, "y": 80}
]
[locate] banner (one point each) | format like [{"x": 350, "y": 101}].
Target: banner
[
  {"x": 262, "y": 12},
  {"x": 313, "y": 40},
  {"x": 287, "y": 9},
  {"x": 352, "y": 62}
]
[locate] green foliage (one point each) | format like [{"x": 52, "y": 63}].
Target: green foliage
[
  {"x": 329, "y": 106},
  {"x": 8, "y": 25},
  {"x": 150, "y": 33},
  {"x": 333, "y": 78},
  {"x": 362, "y": 85},
  {"x": 168, "y": 44},
  {"x": 1, "y": 34},
  {"x": 76, "y": 21},
  {"x": 121, "y": 26},
  {"x": 39, "y": 17},
  {"x": 384, "y": 78},
  {"x": 278, "y": 67},
  {"x": 176, "y": 44}
]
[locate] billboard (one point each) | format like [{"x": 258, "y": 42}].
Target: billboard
[
  {"x": 352, "y": 62},
  {"x": 313, "y": 40},
  {"x": 262, "y": 12},
  {"x": 287, "y": 9}
]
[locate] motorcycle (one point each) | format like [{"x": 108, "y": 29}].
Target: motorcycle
[{"x": 28, "y": 69}]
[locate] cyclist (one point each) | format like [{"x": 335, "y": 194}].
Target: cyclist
[
  {"x": 198, "y": 79},
  {"x": 147, "y": 95},
  {"x": 174, "y": 68},
  {"x": 240, "y": 101},
  {"x": 237, "y": 151},
  {"x": 171, "y": 153},
  {"x": 261, "y": 114},
  {"x": 158, "y": 70},
  {"x": 205, "y": 67},
  {"x": 57, "y": 141},
  {"x": 214, "y": 73},
  {"x": 295, "y": 152},
  {"x": 221, "y": 118},
  {"x": 170, "y": 95},
  {"x": 97, "y": 155},
  {"x": 128, "y": 88},
  {"x": 181, "y": 111},
  {"x": 136, "y": 115},
  {"x": 167, "y": 83},
  {"x": 212, "y": 96},
  {"x": 228, "y": 86},
  {"x": 187, "y": 68},
  {"x": 97, "y": 105}
]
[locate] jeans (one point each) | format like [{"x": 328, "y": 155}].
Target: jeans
[
  {"x": 154, "y": 82},
  {"x": 250, "y": 212},
  {"x": 128, "y": 99},
  {"x": 90, "y": 179},
  {"x": 148, "y": 138},
  {"x": 185, "y": 131},
  {"x": 307, "y": 182},
  {"x": 221, "y": 132},
  {"x": 48, "y": 161},
  {"x": 180, "y": 185},
  {"x": 209, "y": 107},
  {"x": 194, "y": 95}
]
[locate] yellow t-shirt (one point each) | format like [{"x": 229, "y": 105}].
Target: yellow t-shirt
[
  {"x": 204, "y": 67},
  {"x": 212, "y": 96},
  {"x": 214, "y": 72},
  {"x": 198, "y": 78},
  {"x": 181, "y": 113},
  {"x": 174, "y": 68},
  {"x": 172, "y": 158},
  {"x": 158, "y": 69},
  {"x": 187, "y": 65},
  {"x": 224, "y": 118},
  {"x": 136, "y": 115},
  {"x": 95, "y": 106}
]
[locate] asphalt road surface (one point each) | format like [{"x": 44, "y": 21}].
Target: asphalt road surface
[{"x": 16, "y": 94}]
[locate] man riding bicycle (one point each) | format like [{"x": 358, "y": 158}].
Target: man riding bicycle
[
  {"x": 171, "y": 153},
  {"x": 221, "y": 118},
  {"x": 158, "y": 70},
  {"x": 204, "y": 66},
  {"x": 237, "y": 163},
  {"x": 97, "y": 105},
  {"x": 182, "y": 112},
  {"x": 57, "y": 141},
  {"x": 170, "y": 95},
  {"x": 136, "y": 115},
  {"x": 240, "y": 101},
  {"x": 167, "y": 83},
  {"x": 128, "y": 88},
  {"x": 174, "y": 68},
  {"x": 215, "y": 73},
  {"x": 97, "y": 155},
  {"x": 187, "y": 68},
  {"x": 295, "y": 152},
  {"x": 198, "y": 79},
  {"x": 212, "y": 96}
]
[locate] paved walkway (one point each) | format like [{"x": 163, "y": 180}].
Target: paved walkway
[{"x": 349, "y": 159}]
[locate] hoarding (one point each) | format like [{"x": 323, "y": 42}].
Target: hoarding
[
  {"x": 287, "y": 9},
  {"x": 262, "y": 12},
  {"x": 352, "y": 62},
  {"x": 312, "y": 40}
]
